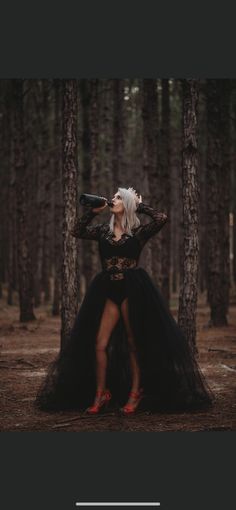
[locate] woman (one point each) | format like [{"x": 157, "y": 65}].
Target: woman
[{"x": 125, "y": 345}]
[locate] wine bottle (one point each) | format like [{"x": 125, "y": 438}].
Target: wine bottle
[{"x": 93, "y": 201}]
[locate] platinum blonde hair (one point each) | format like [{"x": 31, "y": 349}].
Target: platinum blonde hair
[{"x": 129, "y": 218}]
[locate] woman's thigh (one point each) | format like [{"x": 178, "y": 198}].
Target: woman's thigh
[{"x": 110, "y": 317}]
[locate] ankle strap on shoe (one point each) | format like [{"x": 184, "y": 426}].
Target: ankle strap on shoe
[
  {"x": 102, "y": 393},
  {"x": 136, "y": 394}
]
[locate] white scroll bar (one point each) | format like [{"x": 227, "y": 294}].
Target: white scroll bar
[{"x": 118, "y": 504}]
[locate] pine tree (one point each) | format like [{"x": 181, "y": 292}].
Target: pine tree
[
  {"x": 24, "y": 256},
  {"x": 70, "y": 282},
  {"x": 189, "y": 289}
]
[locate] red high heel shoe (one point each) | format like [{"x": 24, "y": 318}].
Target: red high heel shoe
[
  {"x": 137, "y": 397},
  {"x": 103, "y": 398}
]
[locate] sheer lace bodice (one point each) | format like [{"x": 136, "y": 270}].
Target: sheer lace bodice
[
  {"x": 116, "y": 266},
  {"x": 119, "y": 255}
]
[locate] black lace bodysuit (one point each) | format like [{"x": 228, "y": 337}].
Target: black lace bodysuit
[{"x": 118, "y": 255}]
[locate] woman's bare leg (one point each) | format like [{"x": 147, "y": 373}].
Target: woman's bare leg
[
  {"x": 133, "y": 356},
  {"x": 109, "y": 319}
]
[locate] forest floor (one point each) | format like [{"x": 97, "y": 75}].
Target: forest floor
[{"x": 27, "y": 348}]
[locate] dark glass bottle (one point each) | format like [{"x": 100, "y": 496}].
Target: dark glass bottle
[{"x": 93, "y": 200}]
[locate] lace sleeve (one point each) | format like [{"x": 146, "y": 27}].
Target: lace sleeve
[
  {"x": 144, "y": 232},
  {"x": 81, "y": 229}
]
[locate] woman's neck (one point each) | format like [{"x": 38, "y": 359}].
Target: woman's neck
[{"x": 118, "y": 222}]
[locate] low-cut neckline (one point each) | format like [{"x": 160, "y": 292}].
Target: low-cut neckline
[{"x": 116, "y": 240}]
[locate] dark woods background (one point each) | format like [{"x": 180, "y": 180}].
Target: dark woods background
[{"x": 172, "y": 140}]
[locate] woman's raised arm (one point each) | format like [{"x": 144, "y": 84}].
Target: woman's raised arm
[
  {"x": 144, "y": 232},
  {"x": 82, "y": 230}
]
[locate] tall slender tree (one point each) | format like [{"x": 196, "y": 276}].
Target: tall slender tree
[
  {"x": 24, "y": 256},
  {"x": 107, "y": 136},
  {"x": 175, "y": 163},
  {"x": 215, "y": 195},
  {"x": 189, "y": 289},
  {"x": 224, "y": 205},
  {"x": 46, "y": 170},
  {"x": 96, "y": 183},
  {"x": 150, "y": 181},
  {"x": 85, "y": 91},
  {"x": 202, "y": 137},
  {"x": 165, "y": 178},
  {"x": 57, "y": 198},
  {"x": 233, "y": 178},
  {"x": 119, "y": 163},
  {"x": 70, "y": 281}
]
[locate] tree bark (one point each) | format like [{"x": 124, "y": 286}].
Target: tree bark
[
  {"x": 175, "y": 163},
  {"x": 189, "y": 289},
  {"x": 57, "y": 200},
  {"x": 24, "y": 257},
  {"x": 70, "y": 276},
  {"x": 46, "y": 171},
  {"x": 165, "y": 178},
  {"x": 150, "y": 116},
  {"x": 234, "y": 184},
  {"x": 96, "y": 184},
  {"x": 215, "y": 195},
  {"x": 40, "y": 192},
  {"x": 11, "y": 212},
  {"x": 119, "y": 133},
  {"x": 202, "y": 137},
  {"x": 224, "y": 205}
]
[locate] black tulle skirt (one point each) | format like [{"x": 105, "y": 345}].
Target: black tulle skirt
[{"x": 170, "y": 375}]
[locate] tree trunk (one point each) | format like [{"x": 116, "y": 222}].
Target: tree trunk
[
  {"x": 106, "y": 137},
  {"x": 202, "y": 137},
  {"x": 165, "y": 178},
  {"x": 70, "y": 276},
  {"x": 86, "y": 97},
  {"x": 24, "y": 259},
  {"x": 224, "y": 205},
  {"x": 234, "y": 186},
  {"x": 119, "y": 134},
  {"x": 152, "y": 256},
  {"x": 57, "y": 200},
  {"x": 11, "y": 212},
  {"x": 215, "y": 201},
  {"x": 46, "y": 171},
  {"x": 189, "y": 289},
  {"x": 175, "y": 163},
  {"x": 96, "y": 184},
  {"x": 40, "y": 193}
]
